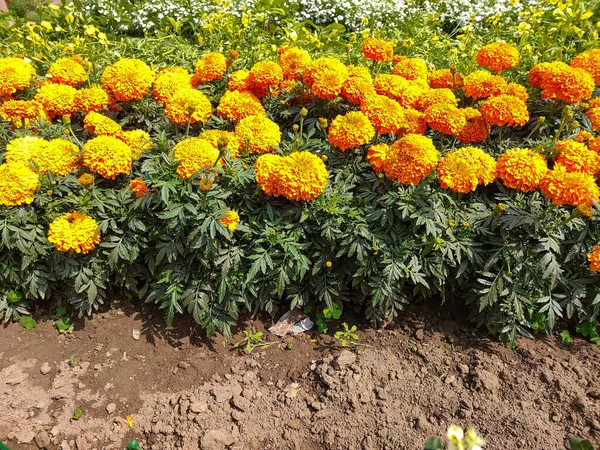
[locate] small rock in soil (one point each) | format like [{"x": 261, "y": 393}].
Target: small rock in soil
[
  {"x": 45, "y": 369},
  {"x": 111, "y": 408},
  {"x": 24, "y": 436},
  {"x": 216, "y": 439},
  {"x": 198, "y": 407},
  {"x": 345, "y": 358},
  {"x": 42, "y": 439},
  {"x": 241, "y": 403},
  {"x": 136, "y": 334},
  {"x": 420, "y": 335}
]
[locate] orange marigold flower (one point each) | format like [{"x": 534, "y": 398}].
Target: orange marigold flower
[
  {"x": 227, "y": 139},
  {"x": 594, "y": 259},
  {"x": 376, "y": 156},
  {"x": 91, "y": 99},
  {"x": 100, "y": 125},
  {"x": 61, "y": 158},
  {"x": 391, "y": 86},
  {"x": 67, "y": 71},
  {"x": 168, "y": 82},
  {"x": 188, "y": 105},
  {"x": 521, "y": 169},
  {"x": 127, "y": 79},
  {"x": 569, "y": 188},
  {"x": 576, "y": 157},
  {"x": 269, "y": 169},
  {"x": 86, "y": 180},
  {"x": 258, "y": 134},
  {"x": 386, "y": 115},
  {"x": 505, "y": 110},
  {"x": 293, "y": 61},
  {"x": 583, "y": 136},
  {"x": 74, "y": 233},
  {"x": 358, "y": 85},
  {"x": 15, "y": 75},
  {"x": 240, "y": 80},
  {"x": 475, "y": 129},
  {"x": 350, "y": 131},
  {"x": 445, "y": 118},
  {"x": 464, "y": 169},
  {"x": 18, "y": 183},
  {"x": 594, "y": 144},
  {"x": 411, "y": 69},
  {"x": 593, "y": 114},
  {"x": 378, "y": 50},
  {"x": 559, "y": 81},
  {"x": 107, "y": 156},
  {"x": 23, "y": 150},
  {"x": 211, "y": 67},
  {"x": 20, "y": 112},
  {"x": 414, "y": 122},
  {"x": 195, "y": 154},
  {"x": 138, "y": 140},
  {"x": 498, "y": 56},
  {"x": 325, "y": 77},
  {"x": 265, "y": 75},
  {"x": 594, "y": 102},
  {"x": 516, "y": 90},
  {"x": 589, "y": 61},
  {"x": 230, "y": 219},
  {"x": 413, "y": 94},
  {"x": 482, "y": 84},
  {"x": 437, "y": 96},
  {"x": 138, "y": 187},
  {"x": 410, "y": 159},
  {"x": 237, "y": 105},
  {"x": 57, "y": 99},
  {"x": 443, "y": 78}
]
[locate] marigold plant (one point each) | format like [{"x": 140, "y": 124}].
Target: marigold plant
[
  {"x": 127, "y": 79},
  {"x": 195, "y": 154},
  {"x": 350, "y": 131},
  {"x": 258, "y": 134},
  {"x": 498, "y": 56},
  {"x": 18, "y": 184},
  {"x": 410, "y": 159},
  {"x": 464, "y": 169},
  {"x": 74, "y": 233},
  {"x": 107, "y": 156},
  {"x": 521, "y": 169}
]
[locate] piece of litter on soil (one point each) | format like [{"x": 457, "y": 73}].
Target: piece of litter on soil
[
  {"x": 129, "y": 421},
  {"x": 136, "y": 334},
  {"x": 292, "y": 322}
]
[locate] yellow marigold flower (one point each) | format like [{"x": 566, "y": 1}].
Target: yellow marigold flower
[
  {"x": 584, "y": 211},
  {"x": 505, "y": 110},
  {"x": 498, "y": 56},
  {"x": 67, "y": 71},
  {"x": 593, "y": 114},
  {"x": 589, "y": 61},
  {"x": 226, "y": 138},
  {"x": 57, "y": 99},
  {"x": 128, "y": 79},
  {"x": 168, "y": 82},
  {"x": 100, "y": 125},
  {"x": 445, "y": 118},
  {"x": 195, "y": 154},
  {"x": 411, "y": 69},
  {"x": 482, "y": 84},
  {"x": 378, "y": 50},
  {"x": 576, "y": 157},
  {"x": 20, "y": 112},
  {"x": 521, "y": 169},
  {"x": 188, "y": 104},
  {"x": 239, "y": 80},
  {"x": 443, "y": 78},
  {"x": 206, "y": 184},
  {"x": 437, "y": 96},
  {"x": 268, "y": 169},
  {"x": 74, "y": 233},
  {"x": 569, "y": 188},
  {"x": 87, "y": 179},
  {"x": 258, "y": 134},
  {"x": 293, "y": 62},
  {"x": 107, "y": 156},
  {"x": 516, "y": 90},
  {"x": 138, "y": 140},
  {"x": 594, "y": 144},
  {"x": 60, "y": 158},
  {"x": 410, "y": 159},
  {"x": 391, "y": 86},
  {"x": 464, "y": 169},
  {"x": 376, "y": 156},
  {"x": 358, "y": 85},
  {"x": 559, "y": 81},
  {"x": 265, "y": 75},
  {"x": 237, "y": 105},
  {"x": 211, "y": 67},
  {"x": 594, "y": 259},
  {"x": 18, "y": 183},
  {"x": 230, "y": 219},
  {"x": 138, "y": 187},
  {"x": 23, "y": 150},
  {"x": 475, "y": 129},
  {"x": 325, "y": 77},
  {"x": 414, "y": 122},
  {"x": 15, "y": 75},
  {"x": 91, "y": 99},
  {"x": 386, "y": 115},
  {"x": 583, "y": 136},
  {"x": 413, "y": 94},
  {"x": 350, "y": 130}
]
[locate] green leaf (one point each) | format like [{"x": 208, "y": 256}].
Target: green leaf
[
  {"x": 133, "y": 445},
  {"x": 77, "y": 414},
  {"x": 336, "y": 313},
  {"x": 61, "y": 311},
  {"x": 580, "y": 444},
  {"x": 434, "y": 443},
  {"x": 565, "y": 336},
  {"x": 28, "y": 323}
]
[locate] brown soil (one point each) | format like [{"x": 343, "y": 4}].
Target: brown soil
[{"x": 395, "y": 390}]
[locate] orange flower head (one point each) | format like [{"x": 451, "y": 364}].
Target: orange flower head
[
  {"x": 57, "y": 99},
  {"x": 230, "y": 219},
  {"x": 482, "y": 84},
  {"x": 576, "y": 157},
  {"x": 443, "y": 78},
  {"x": 100, "y": 125},
  {"x": 67, "y": 71},
  {"x": 188, "y": 105},
  {"x": 464, "y": 169},
  {"x": 168, "y": 82},
  {"x": 21, "y": 112},
  {"x": 569, "y": 188},
  {"x": 138, "y": 187},
  {"x": 589, "y": 61},
  {"x": 211, "y": 67},
  {"x": 74, "y": 233},
  {"x": 138, "y": 140},
  {"x": 107, "y": 156},
  {"x": 498, "y": 56},
  {"x": 391, "y": 86},
  {"x": 237, "y": 105},
  {"x": 505, "y": 110},
  {"x": 521, "y": 169},
  {"x": 411, "y": 69},
  {"x": 410, "y": 159},
  {"x": 91, "y": 99},
  {"x": 127, "y": 80},
  {"x": 23, "y": 150},
  {"x": 376, "y": 156},
  {"x": 386, "y": 115},
  {"x": 594, "y": 259},
  {"x": 350, "y": 131},
  {"x": 195, "y": 154},
  {"x": 437, "y": 96},
  {"x": 325, "y": 77},
  {"x": 358, "y": 86},
  {"x": 559, "y": 81},
  {"x": 265, "y": 75},
  {"x": 378, "y": 50},
  {"x": 414, "y": 122},
  {"x": 258, "y": 134},
  {"x": 445, "y": 118},
  {"x": 594, "y": 115},
  {"x": 293, "y": 62},
  {"x": 15, "y": 75},
  {"x": 18, "y": 183}
]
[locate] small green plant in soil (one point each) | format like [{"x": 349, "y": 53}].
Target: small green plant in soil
[
  {"x": 347, "y": 336},
  {"x": 133, "y": 445},
  {"x": 28, "y": 323},
  {"x": 565, "y": 337},
  {"x": 62, "y": 323},
  {"x": 12, "y": 306},
  {"x": 72, "y": 362},
  {"x": 77, "y": 414},
  {"x": 251, "y": 341},
  {"x": 327, "y": 314},
  {"x": 590, "y": 331},
  {"x": 576, "y": 443}
]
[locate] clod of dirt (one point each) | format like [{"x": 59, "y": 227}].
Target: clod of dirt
[
  {"x": 420, "y": 334},
  {"x": 45, "y": 369},
  {"x": 111, "y": 408},
  {"x": 345, "y": 358},
  {"x": 42, "y": 439}
]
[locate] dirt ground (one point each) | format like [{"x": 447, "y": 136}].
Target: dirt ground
[{"x": 184, "y": 391}]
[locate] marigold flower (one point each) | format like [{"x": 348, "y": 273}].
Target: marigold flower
[
  {"x": 225, "y": 138},
  {"x": 168, "y": 82},
  {"x": 410, "y": 159},
  {"x": 411, "y": 69},
  {"x": 505, "y": 110},
  {"x": 589, "y": 61},
  {"x": 138, "y": 187},
  {"x": 594, "y": 259},
  {"x": 188, "y": 105},
  {"x": 20, "y": 112},
  {"x": 498, "y": 56},
  {"x": 127, "y": 80},
  {"x": 237, "y": 105},
  {"x": 350, "y": 130},
  {"x": 583, "y": 136},
  {"x": 437, "y": 96},
  {"x": 60, "y": 158},
  {"x": 23, "y": 150},
  {"x": 325, "y": 77},
  {"x": 516, "y": 90},
  {"x": 413, "y": 94},
  {"x": 464, "y": 169},
  {"x": 293, "y": 61},
  {"x": 593, "y": 114},
  {"x": 258, "y": 134},
  {"x": 576, "y": 157},
  {"x": 74, "y": 233},
  {"x": 443, "y": 78},
  {"x": 559, "y": 81},
  {"x": 211, "y": 67},
  {"x": 107, "y": 156},
  {"x": 269, "y": 168},
  {"x": 195, "y": 154},
  {"x": 240, "y": 80},
  {"x": 482, "y": 84},
  {"x": 67, "y": 71},
  {"x": 91, "y": 99},
  {"x": 378, "y": 50},
  {"x": 358, "y": 86},
  {"x": 594, "y": 144},
  {"x": 100, "y": 125},
  {"x": 569, "y": 188},
  {"x": 376, "y": 156},
  {"x": 386, "y": 115},
  {"x": 265, "y": 75},
  {"x": 15, "y": 75},
  {"x": 445, "y": 118},
  {"x": 18, "y": 183},
  {"x": 86, "y": 180},
  {"x": 391, "y": 86},
  {"x": 57, "y": 99},
  {"x": 414, "y": 122},
  {"x": 521, "y": 169},
  {"x": 475, "y": 129},
  {"x": 138, "y": 140},
  {"x": 230, "y": 219}
]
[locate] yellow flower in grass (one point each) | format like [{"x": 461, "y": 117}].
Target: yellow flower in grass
[
  {"x": 100, "y": 125},
  {"x": 138, "y": 140},
  {"x": 230, "y": 219},
  {"x": 521, "y": 169},
  {"x": 498, "y": 56},
  {"x": 91, "y": 99},
  {"x": 74, "y": 233},
  {"x": 410, "y": 159},
  {"x": 168, "y": 82},
  {"x": 569, "y": 188},
  {"x": 378, "y": 50},
  {"x": 505, "y": 110},
  {"x": 15, "y": 75},
  {"x": 20, "y": 112},
  {"x": 193, "y": 155},
  {"x": 350, "y": 131},
  {"x": 107, "y": 156},
  {"x": 411, "y": 69},
  {"x": 576, "y": 157},
  {"x": 376, "y": 156},
  {"x": 594, "y": 259},
  {"x": 188, "y": 104},
  {"x": 237, "y": 105},
  {"x": 464, "y": 169},
  {"x": 223, "y": 138},
  {"x": 18, "y": 183},
  {"x": 258, "y": 134},
  {"x": 57, "y": 99},
  {"x": 138, "y": 187},
  {"x": 67, "y": 71},
  {"x": 211, "y": 67},
  {"x": 127, "y": 79}
]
